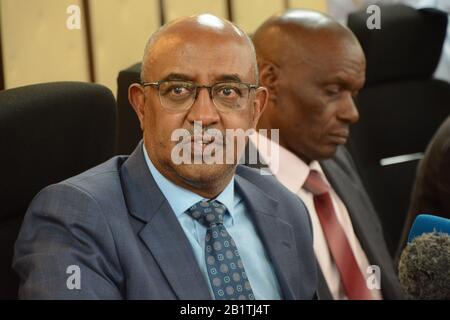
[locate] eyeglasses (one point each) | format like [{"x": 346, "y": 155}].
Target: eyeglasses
[{"x": 180, "y": 95}]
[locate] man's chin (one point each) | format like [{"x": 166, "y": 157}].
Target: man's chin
[
  {"x": 325, "y": 152},
  {"x": 204, "y": 174},
  {"x": 328, "y": 152}
]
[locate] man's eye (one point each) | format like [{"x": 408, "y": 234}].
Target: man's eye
[
  {"x": 229, "y": 92},
  {"x": 179, "y": 90},
  {"x": 332, "y": 91},
  {"x": 176, "y": 91}
]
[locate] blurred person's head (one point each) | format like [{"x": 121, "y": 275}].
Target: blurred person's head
[
  {"x": 192, "y": 51},
  {"x": 313, "y": 68}
]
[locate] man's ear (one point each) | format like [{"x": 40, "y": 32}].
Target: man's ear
[
  {"x": 269, "y": 78},
  {"x": 260, "y": 103},
  {"x": 136, "y": 98}
]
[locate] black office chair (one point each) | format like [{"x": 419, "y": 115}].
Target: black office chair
[
  {"x": 48, "y": 132},
  {"x": 129, "y": 131},
  {"x": 401, "y": 105}
]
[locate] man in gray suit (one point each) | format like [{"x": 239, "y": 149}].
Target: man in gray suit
[
  {"x": 149, "y": 227},
  {"x": 313, "y": 68}
]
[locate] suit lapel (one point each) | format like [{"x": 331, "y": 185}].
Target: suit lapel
[
  {"x": 276, "y": 235},
  {"x": 167, "y": 242},
  {"x": 161, "y": 232}
]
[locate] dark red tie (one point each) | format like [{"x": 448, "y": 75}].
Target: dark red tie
[{"x": 354, "y": 283}]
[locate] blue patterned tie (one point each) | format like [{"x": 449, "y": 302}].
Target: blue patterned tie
[{"x": 225, "y": 269}]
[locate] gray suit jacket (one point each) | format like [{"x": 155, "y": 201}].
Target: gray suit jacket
[{"x": 114, "y": 223}]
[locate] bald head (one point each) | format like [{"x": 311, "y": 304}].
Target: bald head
[
  {"x": 197, "y": 71},
  {"x": 313, "y": 68},
  {"x": 193, "y": 29},
  {"x": 298, "y": 32}
]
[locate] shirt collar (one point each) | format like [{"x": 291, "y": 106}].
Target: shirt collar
[
  {"x": 181, "y": 199},
  {"x": 286, "y": 164}
]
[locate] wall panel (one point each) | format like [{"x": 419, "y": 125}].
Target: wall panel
[
  {"x": 319, "y": 5},
  {"x": 120, "y": 29},
  {"x": 37, "y": 46},
  {"x": 250, "y": 14}
]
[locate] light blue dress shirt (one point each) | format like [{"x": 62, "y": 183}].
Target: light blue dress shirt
[{"x": 257, "y": 265}]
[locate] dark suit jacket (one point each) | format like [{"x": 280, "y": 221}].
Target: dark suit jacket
[
  {"x": 114, "y": 224},
  {"x": 431, "y": 192},
  {"x": 342, "y": 175}
]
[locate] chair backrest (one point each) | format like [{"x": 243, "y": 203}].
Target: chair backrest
[
  {"x": 48, "y": 132},
  {"x": 401, "y": 105},
  {"x": 129, "y": 131}
]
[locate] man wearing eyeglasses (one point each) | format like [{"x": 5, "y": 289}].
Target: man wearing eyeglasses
[{"x": 150, "y": 227}]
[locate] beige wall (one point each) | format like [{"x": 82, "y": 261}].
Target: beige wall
[
  {"x": 179, "y": 8},
  {"x": 120, "y": 29},
  {"x": 319, "y": 5},
  {"x": 38, "y": 47},
  {"x": 249, "y": 14}
]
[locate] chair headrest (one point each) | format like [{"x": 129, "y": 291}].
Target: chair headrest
[
  {"x": 408, "y": 45},
  {"x": 48, "y": 133}
]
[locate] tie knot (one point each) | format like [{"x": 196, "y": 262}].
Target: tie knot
[
  {"x": 315, "y": 184},
  {"x": 208, "y": 213}
]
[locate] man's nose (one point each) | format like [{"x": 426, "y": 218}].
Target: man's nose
[
  {"x": 203, "y": 109},
  {"x": 348, "y": 111}
]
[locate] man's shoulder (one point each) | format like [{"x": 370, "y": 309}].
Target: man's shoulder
[
  {"x": 343, "y": 158},
  {"x": 439, "y": 147},
  {"x": 107, "y": 169},
  {"x": 99, "y": 182},
  {"x": 340, "y": 164}
]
